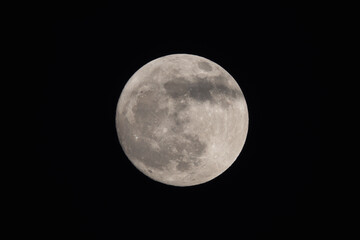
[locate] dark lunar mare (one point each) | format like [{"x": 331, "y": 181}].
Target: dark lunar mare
[
  {"x": 205, "y": 66},
  {"x": 201, "y": 89}
]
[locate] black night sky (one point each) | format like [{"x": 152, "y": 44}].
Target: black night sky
[{"x": 90, "y": 190}]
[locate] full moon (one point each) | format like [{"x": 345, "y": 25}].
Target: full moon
[{"x": 182, "y": 120}]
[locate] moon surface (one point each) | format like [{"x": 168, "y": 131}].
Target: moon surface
[{"x": 182, "y": 120}]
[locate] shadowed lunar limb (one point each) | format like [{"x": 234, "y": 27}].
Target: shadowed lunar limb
[{"x": 182, "y": 120}]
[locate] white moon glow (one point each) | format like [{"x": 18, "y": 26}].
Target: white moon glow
[{"x": 182, "y": 119}]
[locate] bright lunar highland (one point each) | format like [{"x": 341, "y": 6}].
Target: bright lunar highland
[{"x": 182, "y": 120}]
